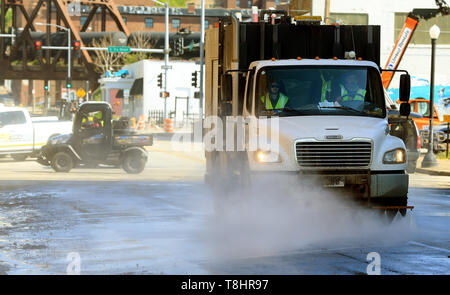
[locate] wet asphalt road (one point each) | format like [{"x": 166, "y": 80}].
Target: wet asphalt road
[{"x": 166, "y": 223}]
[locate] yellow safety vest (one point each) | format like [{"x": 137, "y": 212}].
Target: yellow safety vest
[
  {"x": 282, "y": 100},
  {"x": 326, "y": 87},
  {"x": 360, "y": 94}
]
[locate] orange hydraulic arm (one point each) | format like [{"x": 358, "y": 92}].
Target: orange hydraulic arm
[
  {"x": 399, "y": 49},
  {"x": 405, "y": 35}
]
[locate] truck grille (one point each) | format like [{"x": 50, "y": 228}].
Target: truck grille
[{"x": 333, "y": 154}]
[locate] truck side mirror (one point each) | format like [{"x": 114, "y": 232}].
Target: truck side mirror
[
  {"x": 405, "y": 109},
  {"x": 405, "y": 87},
  {"x": 227, "y": 87}
]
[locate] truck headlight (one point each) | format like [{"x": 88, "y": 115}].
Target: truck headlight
[
  {"x": 267, "y": 157},
  {"x": 397, "y": 156}
]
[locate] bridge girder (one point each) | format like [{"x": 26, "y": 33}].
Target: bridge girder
[{"x": 49, "y": 67}]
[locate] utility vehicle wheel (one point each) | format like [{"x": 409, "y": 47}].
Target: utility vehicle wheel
[
  {"x": 62, "y": 162},
  {"x": 134, "y": 162},
  {"x": 19, "y": 157}
]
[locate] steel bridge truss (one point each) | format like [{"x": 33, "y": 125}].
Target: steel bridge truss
[{"x": 19, "y": 59}]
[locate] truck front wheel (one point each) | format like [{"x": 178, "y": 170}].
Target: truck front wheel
[
  {"x": 134, "y": 162},
  {"x": 62, "y": 162}
]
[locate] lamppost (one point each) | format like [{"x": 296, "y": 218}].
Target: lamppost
[
  {"x": 202, "y": 53},
  {"x": 430, "y": 159},
  {"x": 69, "y": 49}
]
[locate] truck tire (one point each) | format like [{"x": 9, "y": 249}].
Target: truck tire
[
  {"x": 133, "y": 162},
  {"x": 19, "y": 157},
  {"x": 62, "y": 162}
]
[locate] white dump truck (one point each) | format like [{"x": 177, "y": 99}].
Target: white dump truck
[
  {"x": 22, "y": 136},
  {"x": 322, "y": 84}
]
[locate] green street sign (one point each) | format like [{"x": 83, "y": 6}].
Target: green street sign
[{"x": 119, "y": 49}]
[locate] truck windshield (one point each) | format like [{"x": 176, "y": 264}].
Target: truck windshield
[
  {"x": 12, "y": 118},
  {"x": 313, "y": 90}
]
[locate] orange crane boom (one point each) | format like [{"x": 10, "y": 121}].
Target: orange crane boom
[{"x": 406, "y": 34}]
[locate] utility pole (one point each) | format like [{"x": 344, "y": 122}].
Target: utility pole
[{"x": 202, "y": 45}]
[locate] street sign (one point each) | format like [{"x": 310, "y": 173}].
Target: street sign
[
  {"x": 166, "y": 67},
  {"x": 119, "y": 49},
  {"x": 447, "y": 118},
  {"x": 81, "y": 93}
]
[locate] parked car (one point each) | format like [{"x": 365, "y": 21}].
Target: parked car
[
  {"x": 22, "y": 136},
  {"x": 120, "y": 73},
  {"x": 406, "y": 129},
  {"x": 440, "y": 134}
]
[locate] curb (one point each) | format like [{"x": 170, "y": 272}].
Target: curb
[{"x": 433, "y": 172}]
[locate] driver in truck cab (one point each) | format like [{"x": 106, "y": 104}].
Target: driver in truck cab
[
  {"x": 351, "y": 89},
  {"x": 274, "y": 98}
]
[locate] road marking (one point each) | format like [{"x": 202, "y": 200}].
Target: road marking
[{"x": 428, "y": 246}]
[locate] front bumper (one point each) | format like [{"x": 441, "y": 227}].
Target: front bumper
[
  {"x": 366, "y": 184},
  {"x": 388, "y": 185}
]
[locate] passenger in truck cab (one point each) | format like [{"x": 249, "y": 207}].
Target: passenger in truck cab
[
  {"x": 274, "y": 98},
  {"x": 351, "y": 89}
]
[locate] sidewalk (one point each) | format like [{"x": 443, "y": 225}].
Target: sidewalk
[{"x": 443, "y": 169}]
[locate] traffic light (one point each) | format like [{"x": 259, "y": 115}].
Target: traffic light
[
  {"x": 194, "y": 79},
  {"x": 76, "y": 45},
  {"x": 69, "y": 83},
  {"x": 164, "y": 94},
  {"x": 37, "y": 45},
  {"x": 46, "y": 86},
  {"x": 160, "y": 80}
]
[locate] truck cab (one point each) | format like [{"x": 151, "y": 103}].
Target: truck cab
[{"x": 422, "y": 106}]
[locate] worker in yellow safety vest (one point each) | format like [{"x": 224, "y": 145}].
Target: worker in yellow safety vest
[
  {"x": 274, "y": 97},
  {"x": 351, "y": 90},
  {"x": 326, "y": 88}
]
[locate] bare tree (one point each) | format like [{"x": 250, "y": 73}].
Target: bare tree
[
  {"x": 104, "y": 60},
  {"x": 141, "y": 40}
]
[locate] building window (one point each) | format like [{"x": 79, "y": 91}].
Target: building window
[
  {"x": 83, "y": 20},
  {"x": 206, "y": 23},
  {"x": 149, "y": 22},
  {"x": 124, "y": 19},
  {"x": 422, "y": 33},
  {"x": 176, "y": 23},
  {"x": 238, "y": 3},
  {"x": 350, "y": 18}
]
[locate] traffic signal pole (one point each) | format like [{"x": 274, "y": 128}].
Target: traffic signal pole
[{"x": 166, "y": 54}]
